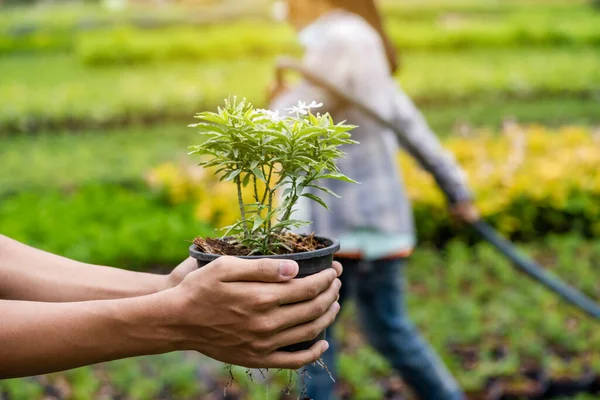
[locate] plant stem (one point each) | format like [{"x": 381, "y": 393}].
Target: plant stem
[
  {"x": 268, "y": 188},
  {"x": 268, "y": 192},
  {"x": 291, "y": 203},
  {"x": 271, "y": 193},
  {"x": 238, "y": 182},
  {"x": 255, "y": 189}
]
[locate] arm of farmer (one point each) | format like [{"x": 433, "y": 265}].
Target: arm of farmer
[
  {"x": 236, "y": 311},
  {"x": 433, "y": 158},
  {"x": 31, "y": 274}
]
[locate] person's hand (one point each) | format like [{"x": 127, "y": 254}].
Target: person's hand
[
  {"x": 465, "y": 211},
  {"x": 180, "y": 272},
  {"x": 275, "y": 90},
  {"x": 242, "y": 311}
]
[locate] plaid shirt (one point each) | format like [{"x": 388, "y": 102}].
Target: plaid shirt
[{"x": 344, "y": 49}]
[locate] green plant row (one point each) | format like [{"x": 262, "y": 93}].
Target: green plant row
[
  {"x": 57, "y": 17},
  {"x": 66, "y": 95},
  {"x": 126, "y": 44},
  {"x": 218, "y": 42},
  {"x": 104, "y": 224},
  {"x": 61, "y": 159},
  {"x": 463, "y": 298},
  {"x": 129, "y": 46}
]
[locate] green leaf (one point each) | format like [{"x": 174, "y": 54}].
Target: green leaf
[
  {"x": 338, "y": 176},
  {"x": 315, "y": 198},
  {"x": 258, "y": 173},
  {"x": 310, "y": 131},
  {"x": 258, "y": 221},
  {"x": 326, "y": 190},
  {"x": 246, "y": 180},
  {"x": 233, "y": 175}
]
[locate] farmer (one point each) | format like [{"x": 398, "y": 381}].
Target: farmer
[
  {"x": 57, "y": 313},
  {"x": 345, "y": 44}
]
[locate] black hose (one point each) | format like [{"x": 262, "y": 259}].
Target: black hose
[
  {"x": 522, "y": 262},
  {"x": 535, "y": 271}
]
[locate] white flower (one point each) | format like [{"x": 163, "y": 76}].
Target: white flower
[
  {"x": 303, "y": 108},
  {"x": 273, "y": 115}
]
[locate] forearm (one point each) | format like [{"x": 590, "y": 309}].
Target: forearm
[
  {"x": 428, "y": 150},
  {"x": 38, "y": 338},
  {"x": 31, "y": 274}
]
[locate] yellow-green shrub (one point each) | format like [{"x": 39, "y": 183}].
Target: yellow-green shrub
[
  {"x": 528, "y": 181},
  {"x": 216, "y": 201}
]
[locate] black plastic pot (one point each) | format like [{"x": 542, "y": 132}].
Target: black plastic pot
[{"x": 310, "y": 262}]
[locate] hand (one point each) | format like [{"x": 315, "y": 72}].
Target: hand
[
  {"x": 465, "y": 211},
  {"x": 180, "y": 272},
  {"x": 242, "y": 311},
  {"x": 275, "y": 90}
]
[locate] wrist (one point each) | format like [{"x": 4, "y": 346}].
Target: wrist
[{"x": 152, "y": 322}]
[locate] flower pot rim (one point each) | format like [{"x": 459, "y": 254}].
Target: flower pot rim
[{"x": 333, "y": 247}]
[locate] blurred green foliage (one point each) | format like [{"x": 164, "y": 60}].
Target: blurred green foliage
[
  {"x": 68, "y": 71},
  {"x": 68, "y": 96}
]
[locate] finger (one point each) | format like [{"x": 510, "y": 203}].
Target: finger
[
  {"x": 295, "y": 360},
  {"x": 308, "y": 288},
  {"x": 338, "y": 268},
  {"x": 305, "y": 332},
  {"x": 296, "y": 314},
  {"x": 181, "y": 271},
  {"x": 187, "y": 266},
  {"x": 234, "y": 269}
]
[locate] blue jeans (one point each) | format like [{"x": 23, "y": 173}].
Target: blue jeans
[{"x": 379, "y": 289}]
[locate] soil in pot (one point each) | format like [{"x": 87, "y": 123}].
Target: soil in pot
[{"x": 312, "y": 253}]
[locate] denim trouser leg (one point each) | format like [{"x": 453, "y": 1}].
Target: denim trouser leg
[
  {"x": 320, "y": 386},
  {"x": 379, "y": 289},
  {"x": 387, "y": 327}
]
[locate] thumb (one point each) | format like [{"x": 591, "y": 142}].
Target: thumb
[{"x": 261, "y": 270}]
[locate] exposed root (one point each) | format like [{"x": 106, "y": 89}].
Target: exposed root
[
  {"x": 322, "y": 364},
  {"x": 291, "y": 379},
  {"x": 229, "y": 369}
]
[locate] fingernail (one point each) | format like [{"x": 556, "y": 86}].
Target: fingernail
[
  {"x": 336, "y": 306},
  {"x": 325, "y": 346},
  {"x": 288, "y": 268},
  {"x": 337, "y": 284}
]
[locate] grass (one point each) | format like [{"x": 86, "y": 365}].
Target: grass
[{"x": 65, "y": 94}]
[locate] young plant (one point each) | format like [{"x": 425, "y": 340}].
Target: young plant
[{"x": 262, "y": 152}]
